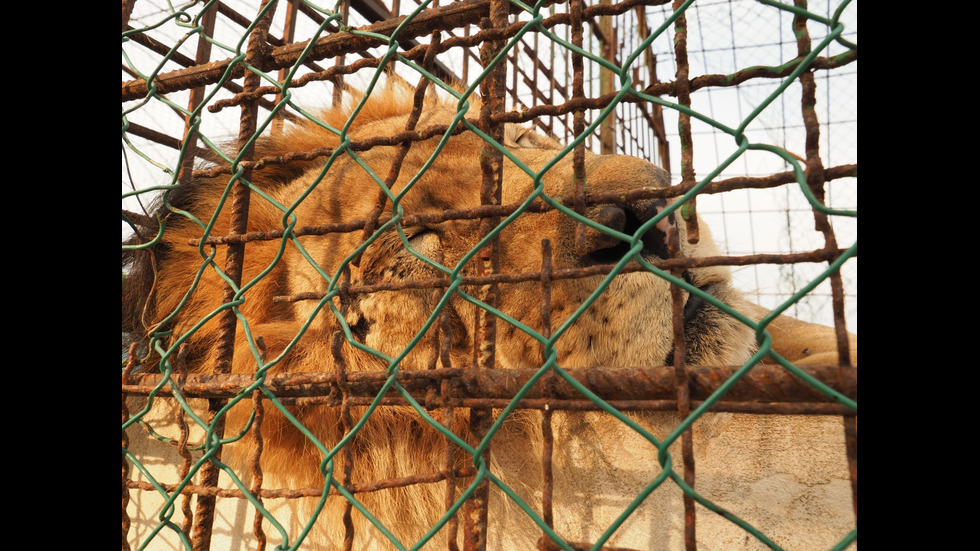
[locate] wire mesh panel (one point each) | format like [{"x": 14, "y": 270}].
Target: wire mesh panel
[{"x": 440, "y": 275}]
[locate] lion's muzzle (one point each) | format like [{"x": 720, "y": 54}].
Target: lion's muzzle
[{"x": 595, "y": 246}]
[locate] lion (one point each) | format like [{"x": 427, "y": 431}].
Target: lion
[{"x": 600, "y": 464}]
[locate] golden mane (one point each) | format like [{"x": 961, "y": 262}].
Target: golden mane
[{"x": 320, "y": 133}]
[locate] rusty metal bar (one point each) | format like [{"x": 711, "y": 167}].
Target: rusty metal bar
[
  {"x": 203, "y": 55},
  {"x": 684, "y": 408},
  {"x": 126, "y": 522},
  {"x": 682, "y": 376},
  {"x": 683, "y": 87},
  {"x": 530, "y": 114},
  {"x": 454, "y": 15},
  {"x": 257, "y": 477},
  {"x": 452, "y": 527},
  {"x": 690, "y": 220},
  {"x": 657, "y": 117},
  {"x": 578, "y": 123},
  {"x": 127, "y": 12},
  {"x": 850, "y": 443},
  {"x": 432, "y": 400},
  {"x": 185, "y": 454},
  {"x": 163, "y": 49},
  {"x": 127, "y": 373},
  {"x": 156, "y": 46},
  {"x": 776, "y": 180},
  {"x": 607, "y": 79},
  {"x": 288, "y": 35},
  {"x": 493, "y": 90},
  {"x": 160, "y": 138},
  {"x": 403, "y": 149},
  {"x": 375, "y": 12},
  {"x": 465, "y": 14},
  {"x": 819, "y": 255},
  {"x": 346, "y": 422},
  {"x": 257, "y": 51},
  {"x": 762, "y": 384},
  {"x": 339, "y": 83},
  {"x": 293, "y": 493},
  {"x": 816, "y": 182},
  {"x": 547, "y": 435}
]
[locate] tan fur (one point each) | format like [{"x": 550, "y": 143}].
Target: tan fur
[{"x": 628, "y": 325}]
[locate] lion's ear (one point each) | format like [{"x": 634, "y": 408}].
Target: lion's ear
[{"x": 804, "y": 343}]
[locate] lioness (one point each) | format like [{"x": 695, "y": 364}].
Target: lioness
[{"x": 745, "y": 463}]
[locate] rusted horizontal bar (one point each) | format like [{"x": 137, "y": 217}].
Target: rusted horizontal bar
[
  {"x": 158, "y": 47},
  {"x": 720, "y": 186},
  {"x": 664, "y": 89},
  {"x": 362, "y": 145},
  {"x": 453, "y": 15},
  {"x": 162, "y": 139},
  {"x": 445, "y": 18},
  {"x": 818, "y": 255},
  {"x": 546, "y": 404},
  {"x": 762, "y": 384},
  {"x": 306, "y": 492},
  {"x": 139, "y": 219},
  {"x": 153, "y": 135}
]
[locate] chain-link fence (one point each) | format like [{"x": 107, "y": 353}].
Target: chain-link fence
[{"x": 430, "y": 313}]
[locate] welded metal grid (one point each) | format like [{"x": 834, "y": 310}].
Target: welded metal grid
[{"x": 515, "y": 93}]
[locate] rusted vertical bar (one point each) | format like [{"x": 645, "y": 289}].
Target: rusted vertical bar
[
  {"x": 607, "y": 81},
  {"x": 127, "y": 12},
  {"x": 125, "y": 476},
  {"x": 515, "y": 58},
  {"x": 260, "y": 539},
  {"x": 548, "y": 441},
  {"x": 185, "y": 454},
  {"x": 452, "y": 526},
  {"x": 202, "y": 57},
  {"x": 687, "y": 178},
  {"x": 578, "y": 121},
  {"x": 466, "y": 57},
  {"x": 339, "y": 83},
  {"x": 493, "y": 90},
  {"x": 684, "y": 122},
  {"x": 536, "y": 59},
  {"x": 288, "y": 35},
  {"x": 130, "y": 364},
  {"x": 684, "y": 409},
  {"x": 399, "y": 157},
  {"x": 815, "y": 181},
  {"x": 658, "y": 128},
  {"x": 552, "y": 82},
  {"x": 346, "y": 422},
  {"x": 445, "y": 391},
  {"x": 258, "y": 49}
]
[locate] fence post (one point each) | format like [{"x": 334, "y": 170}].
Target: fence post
[
  {"x": 493, "y": 90},
  {"x": 258, "y": 47}
]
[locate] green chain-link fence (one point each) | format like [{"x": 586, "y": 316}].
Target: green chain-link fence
[{"x": 585, "y": 74}]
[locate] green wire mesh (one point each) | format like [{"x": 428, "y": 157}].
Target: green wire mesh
[{"x": 158, "y": 43}]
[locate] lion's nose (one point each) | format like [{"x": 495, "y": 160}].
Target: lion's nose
[{"x": 598, "y": 247}]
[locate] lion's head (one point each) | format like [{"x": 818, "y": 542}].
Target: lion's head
[
  {"x": 359, "y": 283},
  {"x": 629, "y": 323}
]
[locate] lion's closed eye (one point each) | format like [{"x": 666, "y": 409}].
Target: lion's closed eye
[{"x": 424, "y": 241}]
